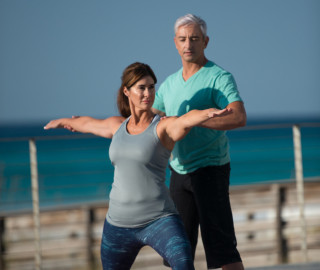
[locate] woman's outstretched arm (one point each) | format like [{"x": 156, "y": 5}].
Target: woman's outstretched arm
[
  {"x": 85, "y": 124},
  {"x": 238, "y": 118},
  {"x": 173, "y": 129}
]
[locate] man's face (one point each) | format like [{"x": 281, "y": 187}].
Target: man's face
[{"x": 190, "y": 43}]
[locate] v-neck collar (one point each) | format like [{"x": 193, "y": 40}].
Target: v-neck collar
[{"x": 192, "y": 78}]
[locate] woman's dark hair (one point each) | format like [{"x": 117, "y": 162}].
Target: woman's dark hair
[{"x": 130, "y": 76}]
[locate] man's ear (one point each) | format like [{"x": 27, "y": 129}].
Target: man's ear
[
  {"x": 175, "y": 41},
  {"x": 206, "y": 41}
]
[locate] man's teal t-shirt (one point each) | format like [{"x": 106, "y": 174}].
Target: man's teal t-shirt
[{"x": 210, "y": 87}]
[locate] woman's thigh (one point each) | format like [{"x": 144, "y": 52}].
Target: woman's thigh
[
  {"x": 168, "y": 237},
  {"x": 119, "y": 247}
]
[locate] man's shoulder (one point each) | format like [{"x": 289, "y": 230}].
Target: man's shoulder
[
  {"x": 173, "y": 76},
  {"x": 216, "y": 69},
  {"x": 217, "y": 74}
]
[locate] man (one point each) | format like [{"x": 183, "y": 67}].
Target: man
[{"x": 200, "y": 165}]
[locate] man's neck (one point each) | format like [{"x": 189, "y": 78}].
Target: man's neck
[{"x": 190, "y": 68}]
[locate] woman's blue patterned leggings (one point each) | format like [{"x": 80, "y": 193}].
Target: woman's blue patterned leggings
[{"x": 120, "y": 246}]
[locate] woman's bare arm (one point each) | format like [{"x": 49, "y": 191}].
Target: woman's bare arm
[
  {"x": 236, "y": 119},
  {"x": 85, "y": 124},
  {"x": 173, "y": 129}
]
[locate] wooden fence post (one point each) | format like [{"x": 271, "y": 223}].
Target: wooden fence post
[
  {"x": 2, "y": 248},
  {"x": 35, "y": 201},
  {"x": 89, "y": 222},
  {"x": 300, "y": 187},
  {"x": 282, "y": 252}
]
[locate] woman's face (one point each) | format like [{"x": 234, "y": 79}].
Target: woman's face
[{"x": 141, "y": 95}]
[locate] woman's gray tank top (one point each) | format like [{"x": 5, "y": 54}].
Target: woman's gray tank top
[{"x": 139, "y": 194}]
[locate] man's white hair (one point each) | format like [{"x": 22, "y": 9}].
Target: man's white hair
[{"x": 191, "y": 19}]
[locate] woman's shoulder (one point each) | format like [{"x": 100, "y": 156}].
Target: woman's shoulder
[
  {"x": 117, "y": 118},
  {"x": 163, "y": 131},
  {"x": 114, "y": 122},
  {"x": 165, "y": 121}
]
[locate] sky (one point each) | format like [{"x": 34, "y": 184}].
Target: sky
[{"x": 60, "y": 58}]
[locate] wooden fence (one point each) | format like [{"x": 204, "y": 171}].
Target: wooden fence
[
  {"x": 274, "y": 223},
  {"x": 266, "y": 220}
]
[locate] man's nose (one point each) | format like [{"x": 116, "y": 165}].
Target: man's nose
[{"x": 188, "y": 43}]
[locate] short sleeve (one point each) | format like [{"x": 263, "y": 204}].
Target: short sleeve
[
  {"x": 158, "y": 102},
  {"x": 226, "y": 90}
]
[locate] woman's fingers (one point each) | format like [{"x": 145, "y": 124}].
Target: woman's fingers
[{"x": 216, "y": 112}]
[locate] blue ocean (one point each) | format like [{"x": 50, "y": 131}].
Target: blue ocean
[{"x": 75, "y": 169}]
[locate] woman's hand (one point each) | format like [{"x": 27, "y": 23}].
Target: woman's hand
[
  {"x": 217, "y": 113},
  {"x": 58, "y": 123},
  {"x": 68, "y": 127}
]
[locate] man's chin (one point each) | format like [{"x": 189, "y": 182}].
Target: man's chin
[{"x": 189, "y": 59}]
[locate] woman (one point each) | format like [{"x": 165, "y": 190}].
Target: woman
[{"x": 141, "y": 211}]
